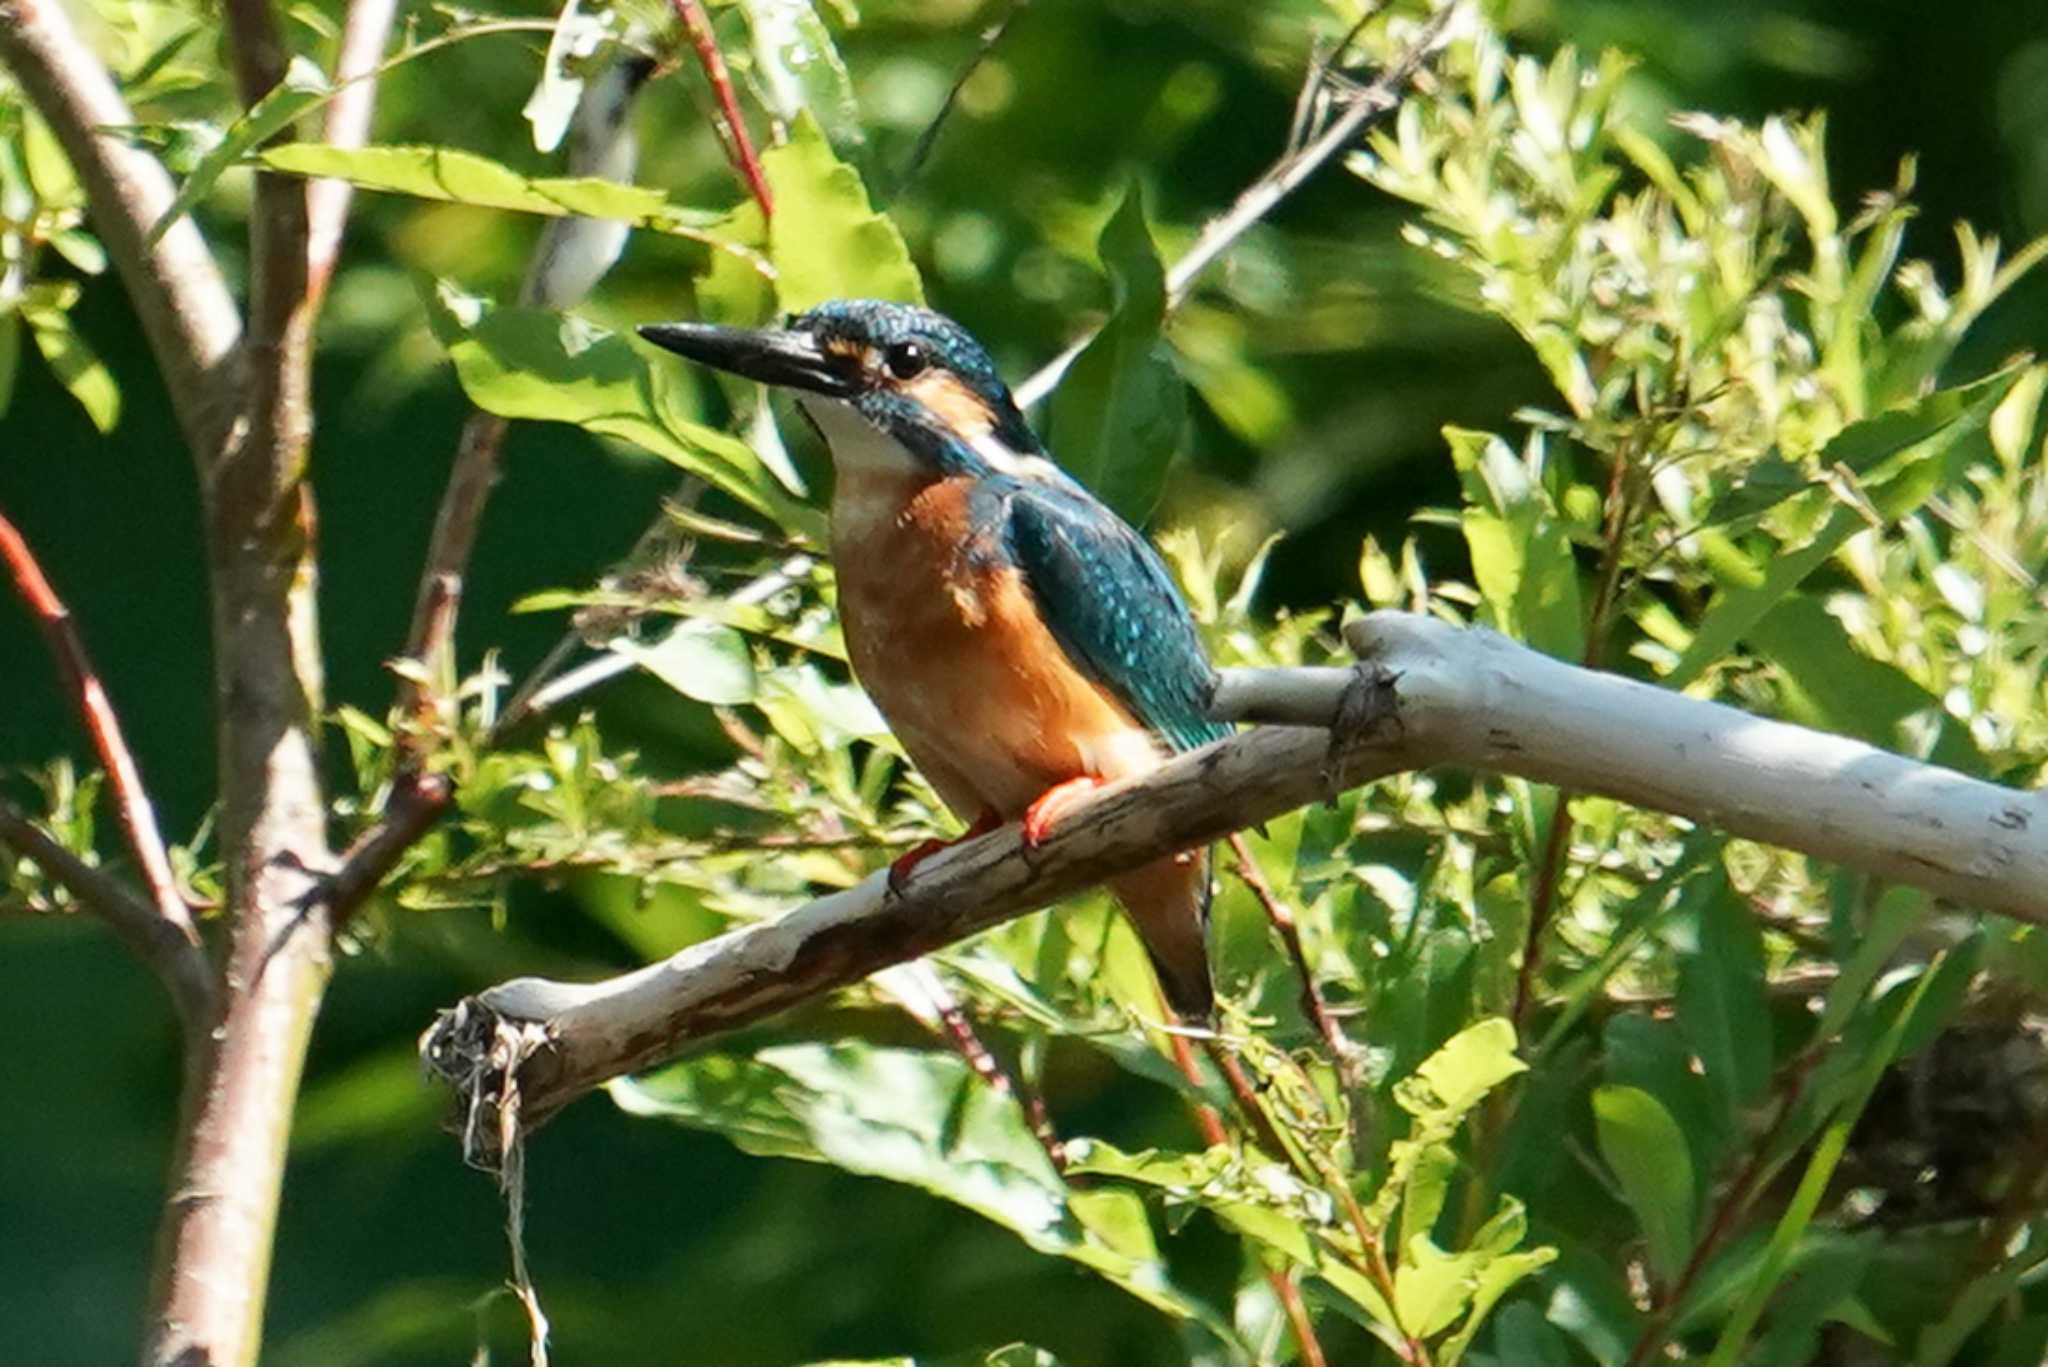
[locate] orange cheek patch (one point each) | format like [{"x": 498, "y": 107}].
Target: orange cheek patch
[{"x": 959, "y": 407}]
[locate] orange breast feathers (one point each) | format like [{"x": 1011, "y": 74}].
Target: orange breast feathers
[{"x": 952, "y": 648}]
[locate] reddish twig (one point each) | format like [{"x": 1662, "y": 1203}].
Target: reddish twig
[
  {"x": 131, "y": 799},
  {"x": 1343, "y": 1054},
  {"x": 1213, "y": 1133},
  {"x": 738, "y": 145},
  {"x": 960, "y": 1030}
]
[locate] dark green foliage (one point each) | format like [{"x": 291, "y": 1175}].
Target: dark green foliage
[{"x": 1663, "y": 398}]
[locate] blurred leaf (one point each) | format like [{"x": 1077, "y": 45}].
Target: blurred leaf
[
  {"x": 1523, "y": 1338},
  {"x": 10, "y": 356},
  {"x": 1521, "y": 554},
  {"x": 701, "y": 660},
  {"x": 75, "y": 364},
  {"x": 918, "y": 1118},
  {"x": 797, "y": 67},
  {"x": 826, "y": 239},
  {"x": 1731, "y": 1347},
  {"x": 1646, "y": 1150},
  {"x": 1836, "y": 687},
  {"x": 530, "y": 363},
  {"x": 1891, "y": 449},
  {"x": 1825, "y": 1279},
  {"x": 302, "y": 88},
  {"x": 1721, "y": 1004},
  {"x": 1118, "y": 414},
  {"x": 452, "y": 176}
]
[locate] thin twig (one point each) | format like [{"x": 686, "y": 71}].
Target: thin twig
[
  {"x": 739, "y": 144},
  {"x": 1344, "y": 1055},
  {"x": 365, "y": 29},
  {"x": 82, "y": 682},
  {"x": 1728, "y": 1210},
  {"x": 990, "y": 37},
  {"x": 1362, "y": 107},
  {"x": 572, "y": 256},
  {"x": 918, "y": 986},
  {"x": 181, "y": 965},
  {"x": 1215, "y": 1136}
]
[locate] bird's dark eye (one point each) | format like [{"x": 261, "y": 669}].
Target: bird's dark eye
[{"x": 905, "y": 360}]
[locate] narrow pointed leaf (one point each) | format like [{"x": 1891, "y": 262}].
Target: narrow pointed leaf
[{"x": 1118, "y": 415}]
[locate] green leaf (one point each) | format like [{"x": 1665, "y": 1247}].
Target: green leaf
[
  {"x": 918, "y": 1118},
  {"x": 1894, "y": 453},
  {"x": 1521, "y": 552},
  {"x": 303, "y": 88},
  {"x": 530, "y": 363},
  {"x": 1813, "y": 1183},
  {"x": 1721, "y": 1004},
  {"x": 1118, "y": 415},
  {"x": 797, "y": 67},
  {"x": 1458, "y": 1076},
  {"x": 826, "y": 239},
  {"x": 701, "y": 660},
  {"x": 75, "y": 364},
  {"x": 1647, "y": 1151},
  {"x": 1523, "y": 1338},
  {"x": 450, "y": 176},
  {"x": 10, "y": 357},
  {"x": 1833, "y": 686}
]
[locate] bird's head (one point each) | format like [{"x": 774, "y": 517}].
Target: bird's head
[{"x": 888, "y": 384}]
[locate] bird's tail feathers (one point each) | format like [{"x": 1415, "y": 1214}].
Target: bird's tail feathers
[{"x": 1169, "y": 903}]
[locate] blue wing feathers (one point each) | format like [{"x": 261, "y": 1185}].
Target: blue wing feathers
[{"x": 1111, "y": 604}]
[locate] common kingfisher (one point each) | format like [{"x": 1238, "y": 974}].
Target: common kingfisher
[{"x": 1025, "y": 644}]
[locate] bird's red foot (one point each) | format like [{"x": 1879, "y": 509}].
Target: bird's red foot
[
  {"x": 1041, "y": 816},
  {"x": 900, "y": 867}
]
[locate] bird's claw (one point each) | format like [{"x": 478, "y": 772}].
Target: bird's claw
[
  {"x": 1042, "y": 815},
  {"x": 900, "y": 867}
]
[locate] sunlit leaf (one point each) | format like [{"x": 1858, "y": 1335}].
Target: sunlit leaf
[
  {"x": 529, "y": 363},
  {"x": 1647, "y": 1151},
  {"x": 1895, "y": 448},
  {"x": 78, "y": 368},
  {"x": 303, "y": 87},
  {"x": 826, "y": 240},
  {"x": 457, "y": 177},
  {"x": 1118, "y": 414},
  {"x": 701, "y": 660},
  {"x": 913, "y": 1117},
  {"x": 797, "y": 68},
  {"x": 1521, "y": 554}
]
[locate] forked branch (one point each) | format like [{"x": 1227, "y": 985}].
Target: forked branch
[{"x": 1425, "y": 693}]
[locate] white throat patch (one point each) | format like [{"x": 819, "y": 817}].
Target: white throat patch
[{"x": 858, "y": 446}]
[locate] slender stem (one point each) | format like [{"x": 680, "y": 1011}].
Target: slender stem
[
  {"x": 1362, "y": 108},
  {"x": 1343, "y": 1054},
  {"x": 177, "y": 961},
  {"x": 952, "y": 1022},
  {"x": 364, "y": 32},
  {"x": 214, "y": 1251},
  {"x": 1622, "y": 497},
  {"x": 1214, "y": 1135},
  {"x": 739, "y": 145},
  {"x": 82, "y": 681}
]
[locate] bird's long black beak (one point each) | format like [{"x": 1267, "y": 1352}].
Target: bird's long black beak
[{"x": 777, "y": 356}]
